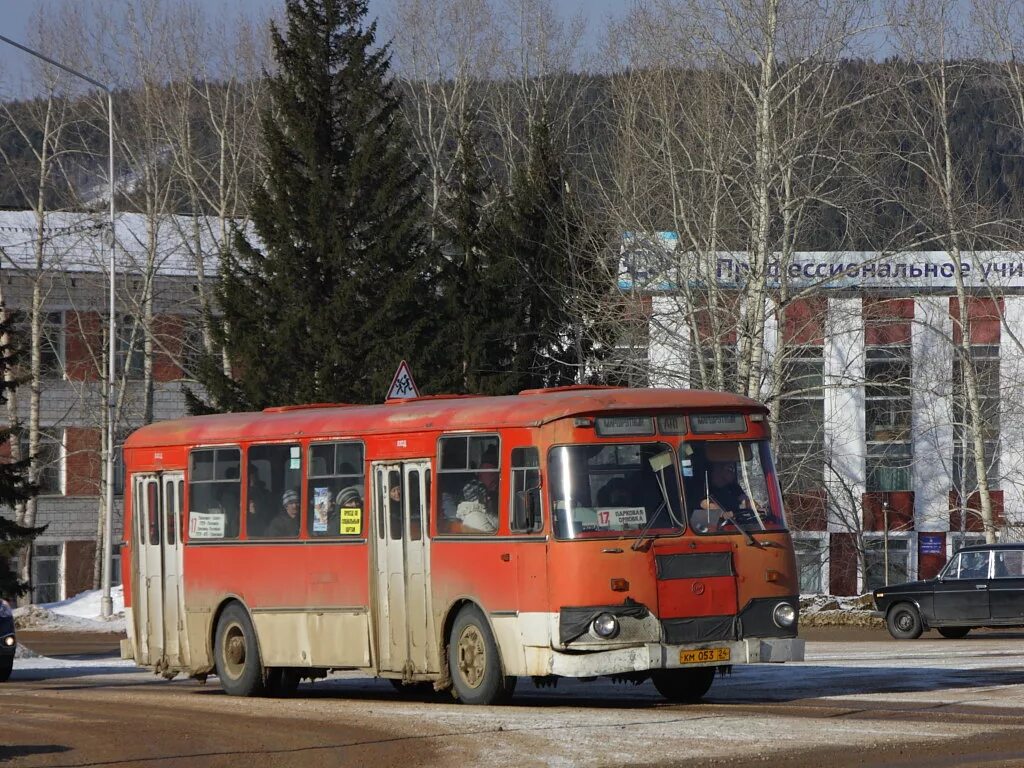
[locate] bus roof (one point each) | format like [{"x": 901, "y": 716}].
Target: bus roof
[{"x": 531, "y": 408}]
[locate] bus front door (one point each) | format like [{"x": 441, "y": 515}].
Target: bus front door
[
  {"x": 404, "y": 622},
  {"x": 160, "y": 623}
]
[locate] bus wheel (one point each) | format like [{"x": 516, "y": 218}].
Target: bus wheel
[
  {"x": 953, "y": 633},
  {"x": 904, "y": 622},
  {"x": 6, "y": 665},
  {"x": 473, "y": 661},
  {"x": 236, "y": 655},
  {"x": 282, "y": 682},
  {"x": 683, "y": 686}
]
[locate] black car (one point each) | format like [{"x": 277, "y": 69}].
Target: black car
[
  {"x": 8, "y": 643},
  {"x": 980, "y": 586}
]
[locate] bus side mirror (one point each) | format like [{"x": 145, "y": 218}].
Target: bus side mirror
[{"x": 526, "y": 514}]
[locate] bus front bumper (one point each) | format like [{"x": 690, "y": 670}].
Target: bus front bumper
[{"x": 656, "y": 656}]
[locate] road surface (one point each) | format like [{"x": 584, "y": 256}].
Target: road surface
[{"x": 859, "y": 699}]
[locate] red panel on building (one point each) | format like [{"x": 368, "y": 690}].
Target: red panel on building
[
  {"x": 973, "y": 506},
  {"x": 887, "y": 321},
  {"x": 900, "y": 511},
  {"x": 842, "y": 560},
  {"x": 984, "y": 316},
  {"x": 169, "y": 331},
  {"x": 806, "y": 511},
  {"x": 83, "y": 461},
  {"x": 804, "y": 323},
  {"x": 722, "y": 319},
  {"x": 83, "y": 346}
]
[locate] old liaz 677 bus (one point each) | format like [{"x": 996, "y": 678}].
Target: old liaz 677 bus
[{"x": 462, "y": 542}]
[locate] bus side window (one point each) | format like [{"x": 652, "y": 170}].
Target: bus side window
[
  {"x": 214, "y": 493},
  {"x": 526, "y": 513},
  {"x": 468, "y": 480}
]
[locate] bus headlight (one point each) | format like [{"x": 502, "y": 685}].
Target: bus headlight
[
  {"x": 606, "y": 626},
  {"x": 784, "y": 615}
]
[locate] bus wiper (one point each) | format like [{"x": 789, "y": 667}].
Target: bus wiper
[{"x": 635, "y": 546}]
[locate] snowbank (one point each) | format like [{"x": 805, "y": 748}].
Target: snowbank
[
  {"x": 837, "y": 611},
  {"x": 80, "y": 613}
]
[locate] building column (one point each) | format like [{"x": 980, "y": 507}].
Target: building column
[
  {"x": 1011, "y": 416},
  {"x": 668, "y": 351},
  {"x": 845, "y": 441}
]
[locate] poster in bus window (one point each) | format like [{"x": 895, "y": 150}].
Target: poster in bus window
[
  {"x": 206, "y": 525},
  {"x": 321, "y": 509},
  {"x": 351, "y": 521}
]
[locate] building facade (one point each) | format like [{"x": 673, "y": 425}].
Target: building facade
[{"x": 864, "y": 369}]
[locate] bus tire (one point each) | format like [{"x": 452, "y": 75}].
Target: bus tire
[
  {"x": 237, "y": 656},
  {"x": 473, "y": 661},
  {"x": 282, "y": 682},
  {"x": 6, "y": 665},
  {"x": 904, "y": 622},
  {"x": 953, "y": 633},
  {"x": 683, "y": 686}
]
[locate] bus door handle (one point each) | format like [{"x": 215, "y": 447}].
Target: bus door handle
[{"x": 981, "y": 586}]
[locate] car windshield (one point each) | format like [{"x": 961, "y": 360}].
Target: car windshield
[
  {"x": 730, "y": 485},
  {"x": 621, "y": 489}
]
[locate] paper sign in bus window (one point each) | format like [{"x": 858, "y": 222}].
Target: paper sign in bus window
[
  {"x": 620, "y": 518},
  {"x": 321, "y": 509},
  {"x": 351, "y": 521},
  {"x": 206, "y": 525}
]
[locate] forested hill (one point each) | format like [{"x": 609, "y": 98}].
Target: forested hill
[{"x": 861, "y": 177}]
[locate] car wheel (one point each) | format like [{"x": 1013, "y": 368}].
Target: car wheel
[
  {"x": 473, "y": 661},
  {"x": 953, "y": 633},
  {"x": 237, "y": 656},
  {"x": 904, "y": 622},
  {"x": 683, "y": 686},
  {"x": 6, "y": 665}
]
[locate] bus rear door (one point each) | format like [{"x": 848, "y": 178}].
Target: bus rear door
[{"x": 402, "y": 606}]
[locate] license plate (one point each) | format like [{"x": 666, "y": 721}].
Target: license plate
[{"x": 704, "y": 655}]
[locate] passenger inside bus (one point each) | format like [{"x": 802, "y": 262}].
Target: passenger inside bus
[
  {"x": 286, "y": 522},
  {"x": 259, "y": 506}
]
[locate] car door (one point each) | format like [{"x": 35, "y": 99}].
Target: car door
[
  {"x": 961, "y": 595},
  {"x": 1006, "y": 589}
]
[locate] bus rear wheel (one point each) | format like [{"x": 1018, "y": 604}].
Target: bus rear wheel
[
  {"x": 683, "y": 686},
  {"x": 236, "y": 654},
  {"x": 473, "y": 661}
]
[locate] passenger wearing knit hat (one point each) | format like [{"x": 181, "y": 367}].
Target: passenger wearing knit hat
[
  {"x": 349, "y": 497},
  {"x": 476, "y": 511},
  {"x": 286, "y": 522}
]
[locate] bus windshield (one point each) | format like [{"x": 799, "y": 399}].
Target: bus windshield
[
  {"x": 730, "y": 485},
  {"x": 621, "y": 489}
]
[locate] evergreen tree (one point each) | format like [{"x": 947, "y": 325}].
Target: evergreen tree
[
  {"x": 534, "y": 234},
  {"x": 14, "y": 484},
  {"x": 340, "y": 283}
]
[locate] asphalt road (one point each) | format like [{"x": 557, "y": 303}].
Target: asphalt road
[{"x": 860, "y": 699}]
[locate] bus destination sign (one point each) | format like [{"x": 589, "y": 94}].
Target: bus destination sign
[
  {"x": 612, "y": 426},
  {"x": 717, "y": 423}
]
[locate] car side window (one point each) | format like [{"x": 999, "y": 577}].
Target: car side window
[
  {"x": 973, "y": 565},
  {"x": 1010, "y": 564}
]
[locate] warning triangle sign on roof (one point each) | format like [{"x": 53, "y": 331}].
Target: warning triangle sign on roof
[{"x": 402, "y": 386}]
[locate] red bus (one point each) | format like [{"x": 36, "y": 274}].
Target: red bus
[{"x": 462, "y": 542}]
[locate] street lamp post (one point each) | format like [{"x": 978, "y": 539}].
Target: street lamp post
[{"x": 106, "y": 603}]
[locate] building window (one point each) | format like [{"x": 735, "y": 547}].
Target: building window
[
  {"x": 876, "y": 552},
  {"x": 51, "y": 347},
  {"x": 887, "y": 409},
  {"x": 985, "y": 360},
  {"x": 46, "y": 567},
  {"x": 704, "y": 356},
  {"x": 192, "y": 348},
  {"x": 801, "y": 419},
  {"x": 130, "y": 349},
  {"x": 118, "y": 456},
  {"x": 50, "y": 457},
  {"x": 810, "y": 560}
]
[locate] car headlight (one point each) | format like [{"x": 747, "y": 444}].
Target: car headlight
[
  {"x": 606, "y": 626},
  {"x": 784, "y": 615},
  {"x": 9, "y": 641}
]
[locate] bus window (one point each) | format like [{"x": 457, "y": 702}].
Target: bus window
[
  {"x": 525, "y": 480},
  {"x": 467, "y": 481},
  {"x": 395, "y": 504},
  {"x": 153, "y": 504},
  {"x": 729, "y": 486},
  {"x": 621, "y": 489},
  {"x": 415, "y": 514},
  {"x": 278, "y": 469},
  {"x": 334, "y": 493},
  {"x": 214, "y": 493}
]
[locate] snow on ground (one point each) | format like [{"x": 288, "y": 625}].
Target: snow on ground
[
  {"x": 837, "y": 610},
  {"x": 80, "y": 613}
]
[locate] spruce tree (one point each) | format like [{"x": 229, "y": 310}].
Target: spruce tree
[
  {"x": 14, "y": 484},
  {"x": 339, "y": 284}
]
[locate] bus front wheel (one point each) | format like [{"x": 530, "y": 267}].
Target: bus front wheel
[
  {"x": 236, "y": 655},
  {"x": 683, "y": 686},
  {"x": 473, "y": 661}
]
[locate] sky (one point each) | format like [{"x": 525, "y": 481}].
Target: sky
[{"x": 16, "y": 14}]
